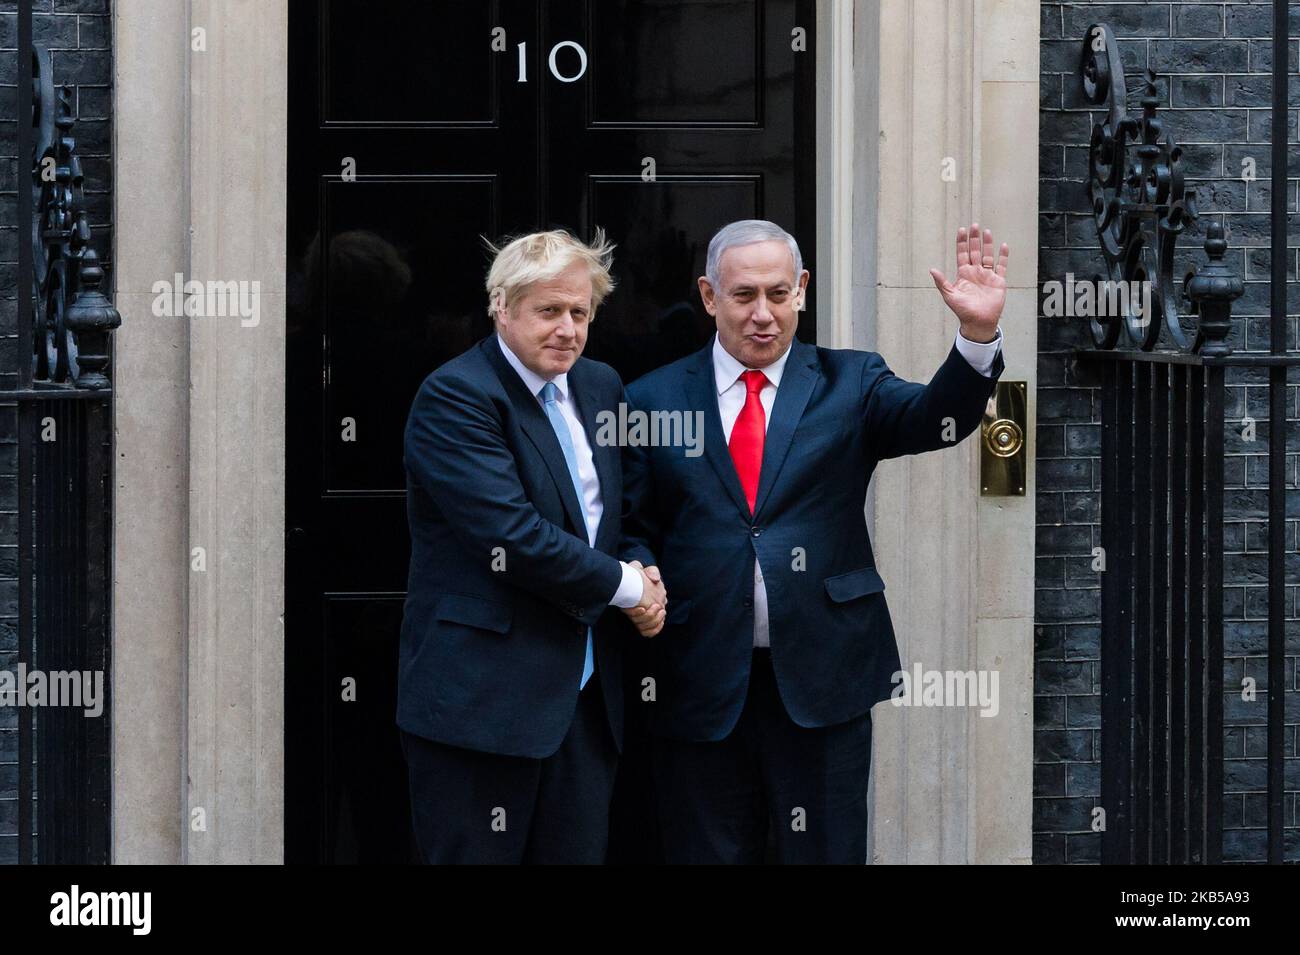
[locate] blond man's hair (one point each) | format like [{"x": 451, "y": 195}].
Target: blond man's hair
[{"x": 541, "y": 256}]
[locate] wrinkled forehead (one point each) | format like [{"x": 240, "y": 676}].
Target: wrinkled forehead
[{"x": 763, "y": 264}]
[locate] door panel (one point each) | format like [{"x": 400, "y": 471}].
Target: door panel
[
  {"x": 388, "y": 315},
  {"x": 666, "y": 62},
  {"x": 397, "y": 61},
  {"x": 410, "y": 139}
]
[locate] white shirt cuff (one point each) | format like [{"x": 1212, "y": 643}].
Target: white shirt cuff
[
  {"x": 979, "y": 354},
  {"x": 629, "y": 589}
]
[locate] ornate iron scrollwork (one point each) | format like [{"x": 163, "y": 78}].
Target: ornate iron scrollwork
[
  {"x": 72, "y": 316},
  {"x": 1139, "y": 202}
]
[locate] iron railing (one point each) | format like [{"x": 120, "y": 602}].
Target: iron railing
[
  {"x": 1162, "y": 482},
  {"x": 62, "y": 394}
]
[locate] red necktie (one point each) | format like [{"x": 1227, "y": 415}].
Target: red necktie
[{"x": 746, "y": 444}]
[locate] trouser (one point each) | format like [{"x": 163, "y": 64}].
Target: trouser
[
  {"x": 473, "y": 807},
  {"x": 805, "y": 787}
]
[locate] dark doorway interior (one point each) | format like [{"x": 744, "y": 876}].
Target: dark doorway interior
[{"x": 386, "y": 283}]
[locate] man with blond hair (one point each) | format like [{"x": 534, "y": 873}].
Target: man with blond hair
[{"x": 510, "y": 699}]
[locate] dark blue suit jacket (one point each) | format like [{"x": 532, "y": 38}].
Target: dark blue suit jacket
[
  {"x": 837, "y": 413},
  {"x": 491, "y": 659}
]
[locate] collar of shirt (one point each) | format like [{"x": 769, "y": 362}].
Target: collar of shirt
[
  {"x": 727, "y": 370},
  {"x": 532, "y": 380}
]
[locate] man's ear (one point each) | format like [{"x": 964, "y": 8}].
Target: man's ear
[
  {"x": 801, "y": 294},
  {"x": 706, "y": 295}
]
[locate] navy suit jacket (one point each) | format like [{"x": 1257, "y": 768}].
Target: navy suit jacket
[
  {"x": 503, "y": 584},
  {"x": 837, "y": 413}
]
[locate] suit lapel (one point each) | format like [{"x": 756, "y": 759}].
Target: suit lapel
[
  {"x": 801, "y": 374},
  {"x": 702, "y": 394},
  {"x": 534, "y": 423}
]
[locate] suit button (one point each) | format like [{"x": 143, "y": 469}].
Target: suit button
[{"x": 755, "y": 531}]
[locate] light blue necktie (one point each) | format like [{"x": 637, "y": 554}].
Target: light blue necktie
[{"x": 549, "y": 394}]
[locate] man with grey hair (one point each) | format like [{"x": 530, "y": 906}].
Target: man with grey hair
[
  {"x": 778, "y": 640},
  {"x": 510, "y": 685}
]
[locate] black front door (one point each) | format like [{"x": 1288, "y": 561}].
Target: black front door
[{"x": 416, "y": 129}]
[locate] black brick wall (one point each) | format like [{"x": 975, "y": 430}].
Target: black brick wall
[
  {"x": 1215, "y": 92},
  {"x": 78, "y": 34}
]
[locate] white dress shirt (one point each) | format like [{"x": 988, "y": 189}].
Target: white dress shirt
[
  {"x": 629, "y": 589},
  {"x": 731, "y": 399}
]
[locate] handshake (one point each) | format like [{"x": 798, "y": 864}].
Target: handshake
[{"x": 648, "y": 615}]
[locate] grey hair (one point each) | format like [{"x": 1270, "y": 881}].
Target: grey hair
[{"x": 747, "y": 232}]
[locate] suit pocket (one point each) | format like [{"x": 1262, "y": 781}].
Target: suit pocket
[
  {"x": 475, "y": 612},
  {"x": 854, "y": 584}
]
